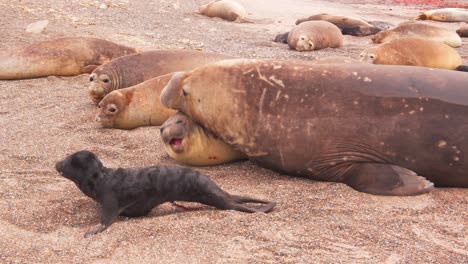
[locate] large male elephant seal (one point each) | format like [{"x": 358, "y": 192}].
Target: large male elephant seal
[
  {"x": 59, "y": 57},
  {"x": 373, "y": 127},
  {"x": 192, "y": 144},
  {"x": 135, "y": 106},
  {"x": 348, "y": 25},
  {"x": 415, "y": 52},
  {"x": 445, "y": 15},
  {"x": 421, "y": 30},
  {"x": 315, "y": 35},
  {"x": 134, "y": 192},
  {"x": 134, "y": 69}
]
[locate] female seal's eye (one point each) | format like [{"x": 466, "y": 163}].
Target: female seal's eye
[
  {"x": 179, "y": 122},
  {"x": 112, "y": 110},
  {"x": 105, "y": 80},
  {"x": 91, "y": 78},
  {"x": 184, "y": 92}
]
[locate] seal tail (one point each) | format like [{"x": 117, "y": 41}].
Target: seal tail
[
  {"x": 463, "y": 68},
  {"x": 267, "y": 207}
]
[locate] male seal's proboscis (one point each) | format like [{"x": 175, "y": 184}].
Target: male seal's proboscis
[
  {"x": 134, "y": 192},
  {"x": 59, "y": 57},
  {"x": 376, "y": 128},
  {"x": 134, "y": 69},
  {"x": 136, "y": 106},
  {"x": 191, "y": 144}
]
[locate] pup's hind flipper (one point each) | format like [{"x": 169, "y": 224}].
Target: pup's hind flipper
[{"x": 267, "y": 207}]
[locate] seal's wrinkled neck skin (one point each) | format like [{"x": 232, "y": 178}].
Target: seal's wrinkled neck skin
[{"x": 173, "y": 94}]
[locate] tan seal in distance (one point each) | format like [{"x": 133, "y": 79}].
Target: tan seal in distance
[
  {"x": 445, "y": 15},
  {"x": 59, "y": 57},
  {"x": 134, "y": 69},
  {"x": 418, "y": 29},
  {"x": 381, "y": 129},
  {"x": 415, "y": 52},
  {"x": 348, "y": 25},
  {"x": 315, "y": 35},
  {"x": 191, "y": 144}
]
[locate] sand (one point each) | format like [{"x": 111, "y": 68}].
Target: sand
[{"x": 43, "y": 216}]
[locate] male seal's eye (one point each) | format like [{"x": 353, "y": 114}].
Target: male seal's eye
[
  {"x": 184, "y": 92},
  {"x": 112, "y": 110},
  {"x": 105, "y": 80}
]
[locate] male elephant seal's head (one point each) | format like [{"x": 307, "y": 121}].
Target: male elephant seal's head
[
  {"x": 110, "y": 109},
  {"x": 102, "y": 82},
  {"x": 173, "y": 95},
  {"x": 176, "y": 133},
  {"x": 79, "y": 166}
]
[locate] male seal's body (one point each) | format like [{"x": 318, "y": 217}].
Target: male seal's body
[
  {"x": 348, "y": 25},
  {"x": 135, "y": 191},
  {"x": 59, "y": 57},
  {"x": 373, "y": 127},
  {"x": 137, "y": 68}
]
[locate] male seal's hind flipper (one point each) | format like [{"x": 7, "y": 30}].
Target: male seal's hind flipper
[
  {"x": 267, "y": 207},
  {"x": 386, "y": 179}
]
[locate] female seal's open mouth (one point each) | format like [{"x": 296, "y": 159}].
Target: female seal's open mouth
[{"x": 176, "y": 143}]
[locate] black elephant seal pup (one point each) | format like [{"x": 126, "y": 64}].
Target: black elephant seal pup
[{"x": 135, "y": 191}]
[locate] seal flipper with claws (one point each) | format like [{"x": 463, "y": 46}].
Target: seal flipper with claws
[{"x": 136, "y": 191}]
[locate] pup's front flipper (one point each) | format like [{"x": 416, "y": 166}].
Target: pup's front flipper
[
  {"x": 110, "y": 210},
  {"x": 386, "y": 179}
]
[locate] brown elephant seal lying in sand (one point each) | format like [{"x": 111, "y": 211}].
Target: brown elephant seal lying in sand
[
  {"x": 375, "y": 128},
  {"x": 445, "y": 15},
  {"x": 414, "y": 52},
  {"x": 134, "y": 69},
  {"x": 348, "y": 25},
  {"x": 134, "y": 192},
  {"x": 315, "y": 35},
  {"x": 189, "y": 143},
  {"x": 421, "y": 30},
  {"x": 135, "y": 106},
  {"x": 59, "y": 57}
]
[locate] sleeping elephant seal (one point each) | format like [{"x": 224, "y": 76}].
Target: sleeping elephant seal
[
  {"x": 415, "y": 52},
  {"x": 226, "y": 9},
  {"x": 463, "y": 30},
  {"x": 373, "y": 127},
  {"x": 134, "y": 69},
  {"x": 135, "y": 106},
  {"x": 421, "y": 30},
  {"x": 191, "y": 144},
  {"x": 59, "y": 57},
  {"x": 445, "y": 15},
  {"x": 348, "y": 25},
  {"x": 315, "y": 35}
]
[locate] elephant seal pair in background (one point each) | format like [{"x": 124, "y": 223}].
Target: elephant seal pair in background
[
  {"x": 376, "y": 128},
  {"x": 135, "y": 192}
]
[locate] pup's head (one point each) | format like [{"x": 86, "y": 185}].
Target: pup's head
[{"x": 79, "y": 165}]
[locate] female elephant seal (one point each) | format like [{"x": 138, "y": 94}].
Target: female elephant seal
[
  {"x": 191, "y": 144},
  {"x": 445, "y": 15},
  {"x": 348, "y": 25},
  {"x": 415, "y": 52},
  {"x": 373, "y": 127},
  {"x": 226, "y": 9},
  {"x": 315, "y": 35},
  {"x": 463, "y": 30},
  {"x": 135, "y": 106},
  {"x": 134, "y": 69},
  {"x": 59, "y": 57},
  {"x": 421, "y": 30}
]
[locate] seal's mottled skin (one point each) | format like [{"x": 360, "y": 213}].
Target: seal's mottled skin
[
  {"x": 463, "y": 30},
  {"x": 415, "y": 52},
  {"x": 373, "y": 127},
  {"x": 134, "y": 69},
  {"x": 191, "y": 144},
  {"x": 135, "y": 106},
  {"x": 418, "y": 29},
  {"x": 59, "y": 57},
  {"x": 135, "y": 192},
  {"x": 348, "y": 25},
  {"x": 225, "y": 9},
  {"x": 445, "y": 15},
  {"x": 315, "y": 35}
]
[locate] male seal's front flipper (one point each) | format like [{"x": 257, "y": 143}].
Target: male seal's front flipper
[{"x": 386, "y": 179}]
